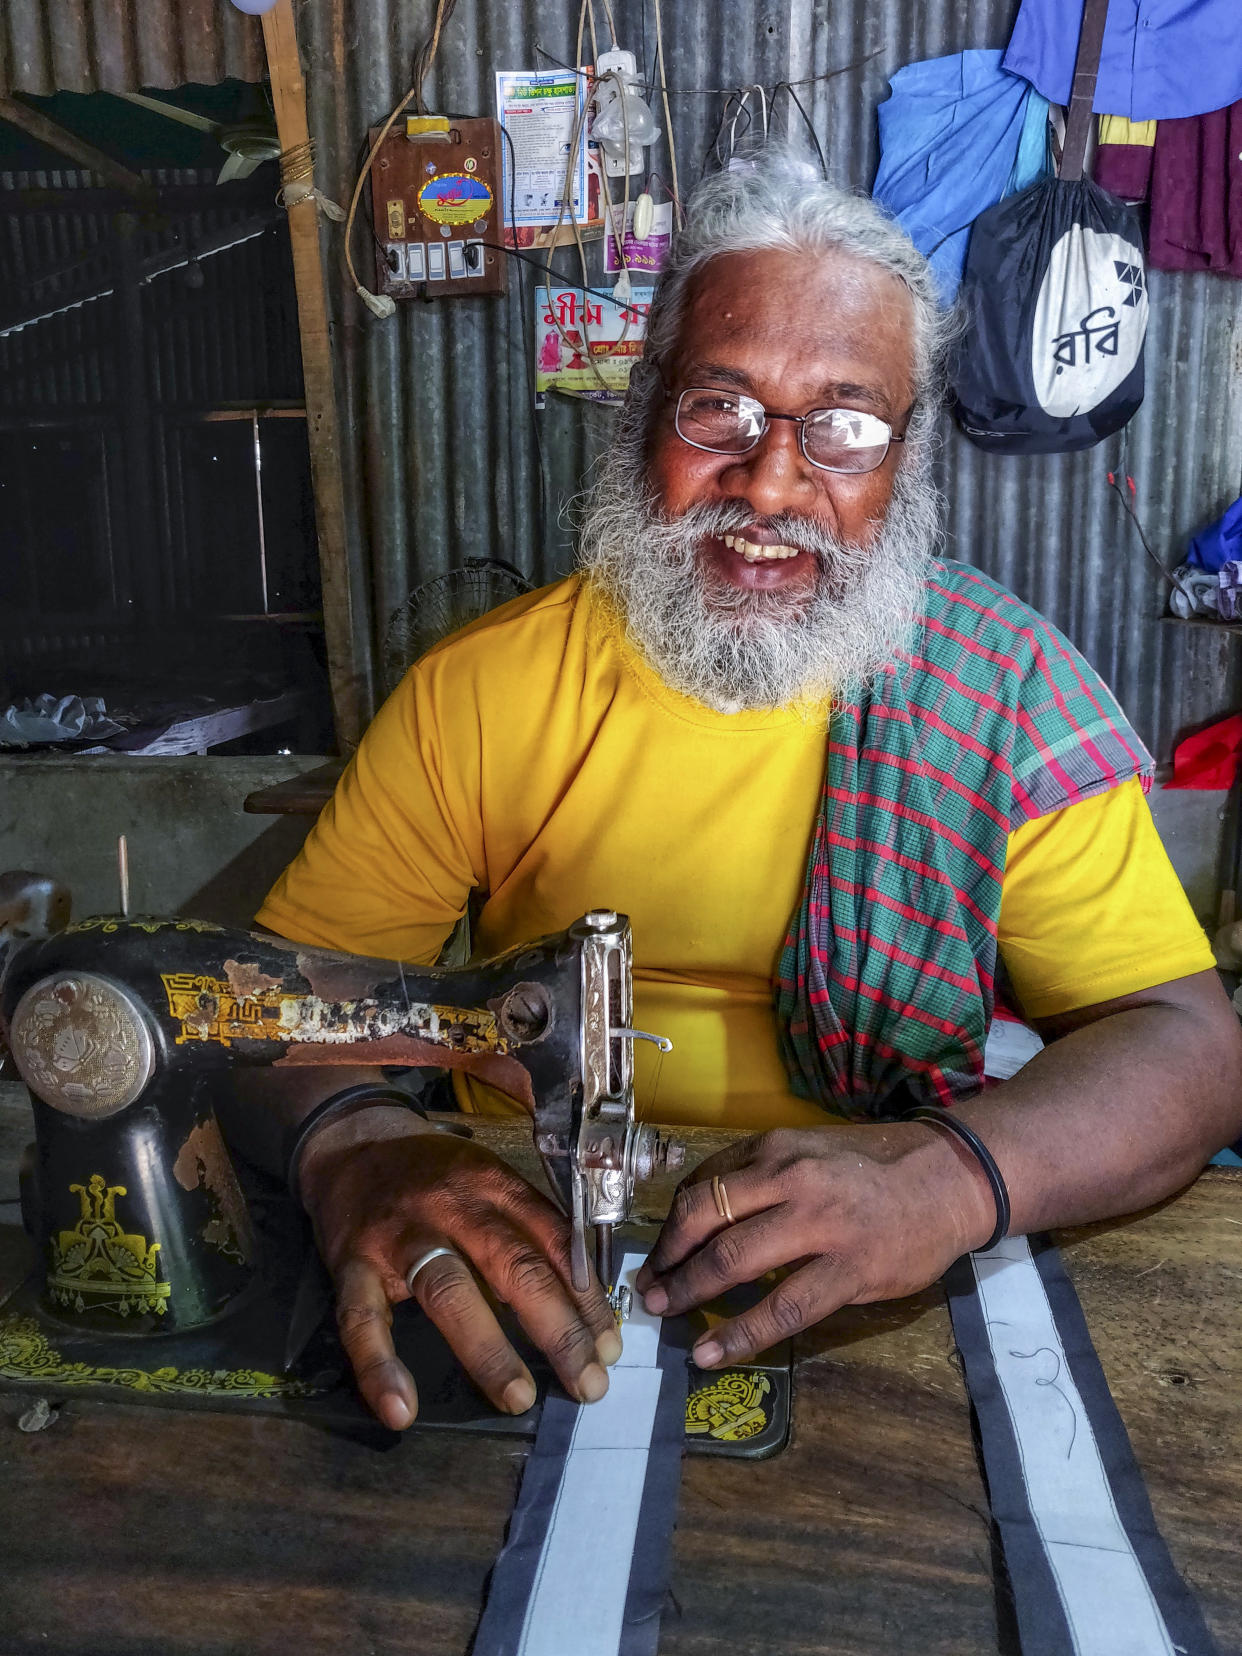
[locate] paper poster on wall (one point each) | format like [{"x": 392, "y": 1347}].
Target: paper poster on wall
[
  {"x": 596, "y": 343},
  {"x": 647, "y": 255},
  {"x": 539, "y": 112}
]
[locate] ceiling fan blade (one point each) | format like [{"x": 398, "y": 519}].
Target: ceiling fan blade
[
  {"x": 238, "y": 165},
  {"x": 173, "y": 112}
]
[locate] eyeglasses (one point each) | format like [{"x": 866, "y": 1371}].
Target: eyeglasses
[{"x": 834, "y": 439}]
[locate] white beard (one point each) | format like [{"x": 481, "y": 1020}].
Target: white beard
[{"x": 733, "y": 650}]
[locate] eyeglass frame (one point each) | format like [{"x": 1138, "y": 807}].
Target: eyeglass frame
[{"x": 800, "y": 420}]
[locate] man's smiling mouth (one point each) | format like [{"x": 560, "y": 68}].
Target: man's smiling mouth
[{"x": 754, "y": 552}]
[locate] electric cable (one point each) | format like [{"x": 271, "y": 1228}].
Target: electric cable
[
  {"x": 731, "y": 91},
  {"x": 525, "y": 326},
  {"x": 668, "y": 116},
  {"x": 577, "y": 139},
  {"x": 787, "y": 86},
  {"x": 427, "y": 51},
  {"x": 544, "y": 269},
  {"x": 382, "y": 305}
]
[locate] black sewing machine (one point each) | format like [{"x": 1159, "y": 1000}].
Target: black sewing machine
[{"x": 170, "y": 1274}]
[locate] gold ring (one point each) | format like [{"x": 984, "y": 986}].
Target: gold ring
[{"x": 721, "y": 1198}]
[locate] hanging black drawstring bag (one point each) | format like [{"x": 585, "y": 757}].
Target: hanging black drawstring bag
[{"x": 1055, "y": 301}]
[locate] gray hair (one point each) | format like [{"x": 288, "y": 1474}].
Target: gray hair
[{"x": 774, "y": 200}]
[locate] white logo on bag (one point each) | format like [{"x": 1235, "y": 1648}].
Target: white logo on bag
[{"x": 1090, "y": 321}]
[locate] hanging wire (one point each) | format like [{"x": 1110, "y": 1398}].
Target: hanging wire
[
  {"x": 787, "y": 87},
  {"x": 426, "y": 55},
  {"x": 668, "y": 114},
  {"x": 730, "y": 91}
]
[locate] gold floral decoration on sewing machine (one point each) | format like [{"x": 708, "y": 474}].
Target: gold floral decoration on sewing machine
[
  {"x": 98, "y": 1263},
  {"x": 730, "y": 1408},
  {"x": 25, "y": 1354}
]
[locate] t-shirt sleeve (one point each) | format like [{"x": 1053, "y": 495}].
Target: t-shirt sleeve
[
  {"x": 1091, "y": 907},
  {"x": 388, "y": 867}
]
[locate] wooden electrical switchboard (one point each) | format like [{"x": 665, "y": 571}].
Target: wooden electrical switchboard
[{"x": 437, "y": 201}]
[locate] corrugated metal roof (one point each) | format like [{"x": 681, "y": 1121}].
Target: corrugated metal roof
[
  {"x": 51, "y": 46},
  {"x": 230, "y": 336}
]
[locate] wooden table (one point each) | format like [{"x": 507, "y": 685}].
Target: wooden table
[
  {"x": 139, "y": 1532},
  {"x": 304, "y": 795}
]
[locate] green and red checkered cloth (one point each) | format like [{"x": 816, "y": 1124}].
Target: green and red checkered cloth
[{"x": 989, "y": 719}]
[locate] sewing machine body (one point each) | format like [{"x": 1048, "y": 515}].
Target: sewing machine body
[{"x": 168, "y": 1273}]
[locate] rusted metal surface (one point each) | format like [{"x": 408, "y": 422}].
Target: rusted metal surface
[
  {"x": 51, "y": 46},
  {"x": 445, "y": 459}
]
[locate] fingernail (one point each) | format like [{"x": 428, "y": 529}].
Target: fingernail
[
  {"x": 707, "y": 1353},
  {"x": 608, "y": 1347},
  {"x": 518, "y": 1396},
  {"x": 656, "y": 1301},
  {"x": 395, "y": 1412},
  {"x": 592, "y": 1383}
]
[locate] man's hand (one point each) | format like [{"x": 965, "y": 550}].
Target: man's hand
[
  {"x": 378, "y": 1207},
  {"x": 861, "y": 1213}
]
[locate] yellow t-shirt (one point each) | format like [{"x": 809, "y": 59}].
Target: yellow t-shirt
[{"x": 536, "y": 757}]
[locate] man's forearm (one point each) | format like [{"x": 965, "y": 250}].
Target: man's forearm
[
  {"x": 1119, "y": 1113},
  {"x": 265, "y": 1103}
]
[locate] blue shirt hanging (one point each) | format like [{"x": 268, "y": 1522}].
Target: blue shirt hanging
[
  {"x": 1160, "y": 59},
  {"x": 957, "y": 135}
]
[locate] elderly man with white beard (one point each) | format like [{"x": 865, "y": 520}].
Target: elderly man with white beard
[{"x": 851, "y": 795}]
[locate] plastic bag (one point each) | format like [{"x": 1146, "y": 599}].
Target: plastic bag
[{"x": 1055, "y": 295}]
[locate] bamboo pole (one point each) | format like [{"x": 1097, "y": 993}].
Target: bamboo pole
[{"x": 346, "y": 671}]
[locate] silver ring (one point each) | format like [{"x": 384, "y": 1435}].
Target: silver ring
[{"x": 441, "y": 1252}]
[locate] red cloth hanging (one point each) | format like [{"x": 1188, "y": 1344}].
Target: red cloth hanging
[{"x": 1209, "y": 758}]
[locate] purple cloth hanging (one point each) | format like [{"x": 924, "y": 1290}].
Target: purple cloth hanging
[{"x": 1196, "y": 193}]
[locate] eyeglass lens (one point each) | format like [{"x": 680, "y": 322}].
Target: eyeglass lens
[{"x": 839, "y": 439}]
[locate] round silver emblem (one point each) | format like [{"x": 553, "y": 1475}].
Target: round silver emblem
[{"x": 81, "y": 1044}]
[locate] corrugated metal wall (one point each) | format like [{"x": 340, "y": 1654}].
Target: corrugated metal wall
[
  {"x": 443, "y": 461},
  {"x": 230, "y": 337},
  {"x": 51, "y": 46},
  {"x": 83, "y": 533}
]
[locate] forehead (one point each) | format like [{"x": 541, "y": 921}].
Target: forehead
[{"x": 799, "y": 327}]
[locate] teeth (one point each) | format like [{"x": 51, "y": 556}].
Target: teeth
[{"x": 754, "y": 553}]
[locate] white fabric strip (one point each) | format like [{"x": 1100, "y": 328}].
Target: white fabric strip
[
  {"x": 578, "y": 1600},
  {"x": 1104, "y": 1591}
]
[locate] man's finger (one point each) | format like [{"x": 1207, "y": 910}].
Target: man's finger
[
  {"x": 801, "y": 1299},
  {"x": 694, "y": 1217},
  {"x": 550, "y": 1231},
  {"x": 736, "y": 1254},
  {"x": 523, "y": 1275},
  {"x": 364, "y": 1318},
  {"x": 448, "y": 1293}
]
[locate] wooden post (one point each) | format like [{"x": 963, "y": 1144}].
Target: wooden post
[{"x": 347, "y": 673}]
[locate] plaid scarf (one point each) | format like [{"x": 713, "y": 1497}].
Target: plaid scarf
[{"x": 990, "y": 719}]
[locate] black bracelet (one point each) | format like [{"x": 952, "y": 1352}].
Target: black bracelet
[
  {"x": 365, "y": 1093},
  {"x": 972, "y": 1141}
]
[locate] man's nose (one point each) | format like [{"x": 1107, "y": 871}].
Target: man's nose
[{"x": 774, "y": 476}]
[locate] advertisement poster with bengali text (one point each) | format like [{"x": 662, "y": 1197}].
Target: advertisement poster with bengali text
[{"x": 585, "y": 344}]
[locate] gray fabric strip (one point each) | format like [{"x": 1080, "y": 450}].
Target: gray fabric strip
[
  {"x": 1065, "y": 1490},
  {"x": 586, "y": 1561}
]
